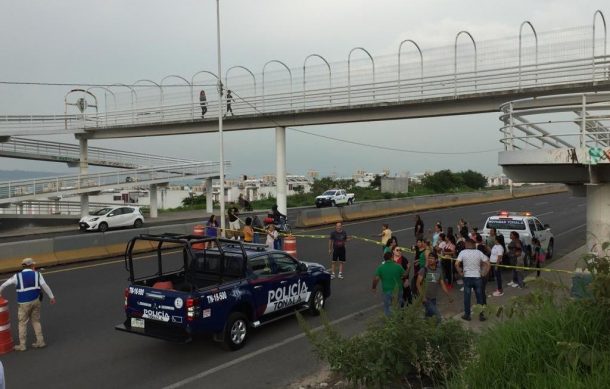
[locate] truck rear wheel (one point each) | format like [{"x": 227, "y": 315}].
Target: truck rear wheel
[{"x": 236, "y": 331}]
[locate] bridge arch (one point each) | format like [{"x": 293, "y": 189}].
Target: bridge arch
[
  {"x": 520, "y": 49},
  {"x": 349, "y": 72},
  {"x": 330, "y": 83},
  {"x": 474, "y": 43},
  {"x": 289, "y": 73},
  {"x": 421, "y": 64}
]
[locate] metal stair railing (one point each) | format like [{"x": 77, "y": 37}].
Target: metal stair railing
[{"x": 18, "y": 190}]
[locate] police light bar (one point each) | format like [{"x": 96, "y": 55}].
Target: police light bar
[{"x": 506, "y": 213}]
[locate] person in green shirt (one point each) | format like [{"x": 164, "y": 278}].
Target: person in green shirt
[{"x": 392, "y": 276}]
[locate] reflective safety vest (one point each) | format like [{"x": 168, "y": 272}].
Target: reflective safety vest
[{"x": 28, "y": 286}]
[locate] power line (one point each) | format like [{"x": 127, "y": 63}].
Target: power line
[
  {"x": 379, "y": 147},
  {"x": 71, "y": 84}
]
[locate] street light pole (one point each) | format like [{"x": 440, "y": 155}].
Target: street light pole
[{"x": 221, "y": 197}]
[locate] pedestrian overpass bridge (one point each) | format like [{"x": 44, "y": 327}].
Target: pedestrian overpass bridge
[{"x": 466, "y": 77}]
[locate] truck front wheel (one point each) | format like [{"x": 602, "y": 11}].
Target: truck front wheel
[{"x": 236, "y": 331}]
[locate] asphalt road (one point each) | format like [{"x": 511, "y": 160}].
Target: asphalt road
[{"x": 84, "y": 351}]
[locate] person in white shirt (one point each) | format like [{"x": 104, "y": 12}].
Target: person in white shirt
[
  {"x": 497, "y": 252},
  {"x": 271, "y": 237},
  {"x": 475, "y": 265}
]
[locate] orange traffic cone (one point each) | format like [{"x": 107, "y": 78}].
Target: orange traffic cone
[{"x": 6, "y": 340}]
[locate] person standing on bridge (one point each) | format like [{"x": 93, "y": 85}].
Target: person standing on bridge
[
  {"x": 229, "y": 102},
  {"x": 28, "y": 283},
  {"x": 203, "y": 102}
]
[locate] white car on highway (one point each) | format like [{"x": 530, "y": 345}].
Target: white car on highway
[{"x": 112, "y": 217}]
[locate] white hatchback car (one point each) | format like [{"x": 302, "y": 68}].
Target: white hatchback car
[{"x": 112, "y": 217}]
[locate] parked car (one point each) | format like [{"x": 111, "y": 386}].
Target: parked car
[
  {"x": 333, "y": 197},
  {"x": 112, "y": 217}
]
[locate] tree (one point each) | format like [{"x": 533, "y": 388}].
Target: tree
[
  {"x": 376, "y": 183},
  {"x": 442, "y": 181},
  {"x": 321, "y": 185},
  {"x": 472, "y": 179}
]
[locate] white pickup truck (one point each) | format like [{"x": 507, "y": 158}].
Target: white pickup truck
[{"x": 333, "y": 197}]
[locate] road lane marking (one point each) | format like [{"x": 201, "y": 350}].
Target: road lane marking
[
  {"x": 263, "y": 350},
  {"x": 581, "y": 205},
  {"x": 546, "y": 213},
  {"x": 489, "y": 213},
  {"x": 570, "y": 230},
  {"x": 403, "y": 229}
]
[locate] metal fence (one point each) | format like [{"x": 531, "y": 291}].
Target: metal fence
[
  {"x": 71, "y": 153},
  {"x": 18, "y": 190},
  {"x": 563, "y": 121}
]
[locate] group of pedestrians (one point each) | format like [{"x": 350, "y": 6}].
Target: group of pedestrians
[
  {"x": 253, "y": 229},
  {"x": 444, "y": 260}
]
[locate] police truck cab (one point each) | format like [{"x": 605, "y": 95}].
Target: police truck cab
[
  {"x": 527, "y": 225},
  {"x": 196, "y": 285}
]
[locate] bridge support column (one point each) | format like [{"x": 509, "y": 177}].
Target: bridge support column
[
  {"x": 209, "y": 196},
  {"x": 598, "y": 216},
  {"x": 153, "y": 201},
  {"x": 84, "y": 169},
  {"x": 280, "y": 168}
]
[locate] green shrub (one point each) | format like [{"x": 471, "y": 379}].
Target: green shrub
[
  {"x": 545, "y": 349},
  {"x": 553, "y": 343},
  {"x": 392, "y": 349}
]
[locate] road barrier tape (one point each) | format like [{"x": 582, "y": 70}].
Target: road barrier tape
[{"x": 411, "y": 251}]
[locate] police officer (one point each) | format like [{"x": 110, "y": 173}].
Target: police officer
[{"x": 28, "y": 283}]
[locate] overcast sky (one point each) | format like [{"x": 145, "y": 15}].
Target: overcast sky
[{"x": 115, "y": 41}]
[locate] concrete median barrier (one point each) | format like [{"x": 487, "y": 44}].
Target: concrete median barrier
[
  {"x": 316, "y": 217},
  {"x": 13, "y": 253},
  {"x": 380, "y": 208},
  {"x": 80, "y": 247},
  {"x": 182, "y": 229},
  {"x": 116, "y": 241}
]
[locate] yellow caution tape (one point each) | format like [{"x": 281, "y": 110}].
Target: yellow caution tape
[{"x": 408, "y": 250}]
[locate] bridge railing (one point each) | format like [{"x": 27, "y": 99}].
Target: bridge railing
[
  {"x": 563, "y": 121},
  {"x": 59, "y": 151},
  {"x": 408, "y": 89},
  {"x": 13, "y": 190}
]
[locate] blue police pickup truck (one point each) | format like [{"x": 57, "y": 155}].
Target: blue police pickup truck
[{"x": 194, "y": 285}]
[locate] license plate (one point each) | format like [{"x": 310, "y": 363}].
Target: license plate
[{"x": 137, "y": 323}]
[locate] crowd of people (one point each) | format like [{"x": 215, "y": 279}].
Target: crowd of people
[{"x": 443, "y": 260}]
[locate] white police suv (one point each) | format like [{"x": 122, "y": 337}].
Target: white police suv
[{"x": 527, "y": 225}]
